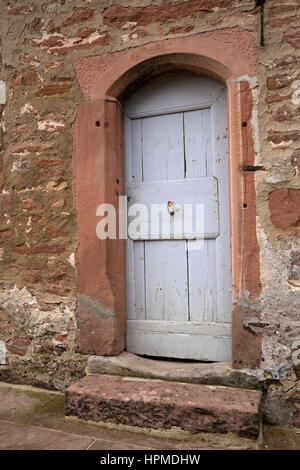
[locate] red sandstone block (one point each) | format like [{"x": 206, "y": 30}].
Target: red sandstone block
[
  {"x": 53, "y": 173},
  {"x": 285, "y": 61},
  {"x": 118, "y": 15},
  {"x": 282, "y": 6},
  {"x": 57, "y": 290},
  {"x": 292, "y": 36},
  {"x": 283, "y": 113},
  {"x": 285, "y": 207},
  {"x": 28, "y": 78},
  {"x": 85, "y": 32},
  {"x": 18, "y": 345},
  {"x": 7, "y": 234},
  {"x": 43, "y": 307},
  {"x": 40, "y": 248},
  {"x": 28, "y": 205},
  {"x": 21, "y": 129},
  {"x": 5, "y": 201},
  {"x": 46, "y": 347},
  {"x": 56, "y": 206},
  {"x": 49, "y": 162},
  {"x": 276, "y": 23},
  {"x": 22, "y": 10},
  {"x": 52, "y": 41},
  {"x": 56, "y": 276},
  {"x": 278, "y": 81},
  {"x": 162, "y": 405},
  {"x": 51, "y": 28},
  {"x": 49, "y": 346},
  {"x": 276, "y": 98},
  {"x": 31, "y": 147},
  {"x": 32, "y": 275},
  {"x": 56, "y": 231},
  {"x": 283, "y": 137},
  {"x": 36, "y": 25},
  {"x": 79, "y": 15},
  {"x": 5, "y": 328},
  {"x": 181, "y": 29},
  {"x": 52, "y": 89}
]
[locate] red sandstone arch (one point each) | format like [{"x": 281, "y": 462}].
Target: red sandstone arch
[{"x": 227, "y": 55}]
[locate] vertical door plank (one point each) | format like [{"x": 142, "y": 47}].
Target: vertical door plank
[
  {"x": 201, "y": 263},
  {"x": 136, "y": 175},
  {"x": 163, "y": 147},
  {"x": 139, "y": 279},
  {"x": 197, "y": 268},
  {"x": 220, "y": 162},
  {"x": 202, "y": 281},
  {"x": 197, "y": 130},
  {"x": 128, "y": 136},
  {"x": 166, "y": 280},
  {"x": 135, "y": 251},
  {"x": 130, "y": 275},
  {"x": 135, "y": 280},
  {"x": 176, "y": 301},
  {"x": 155, "y": 278}
]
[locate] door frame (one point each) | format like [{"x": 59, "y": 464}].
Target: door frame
[{"x": 98, "y": 177}]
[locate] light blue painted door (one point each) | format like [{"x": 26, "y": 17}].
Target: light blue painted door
[{"x": 179, "y": 297}]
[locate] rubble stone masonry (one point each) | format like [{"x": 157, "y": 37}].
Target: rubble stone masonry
[{"x": 40, "y": 43}]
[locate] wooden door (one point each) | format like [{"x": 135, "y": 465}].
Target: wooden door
[{"x": 179, "y": 297}]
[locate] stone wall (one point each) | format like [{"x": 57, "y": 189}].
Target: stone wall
[{"x": 40, "y": 42}]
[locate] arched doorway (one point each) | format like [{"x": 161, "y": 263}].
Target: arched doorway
[
  {"x": 178, "y": 293},
  {"x": 97, "y": 163}
]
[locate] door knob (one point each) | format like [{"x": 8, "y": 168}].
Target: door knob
[{"x": 171, "y": 207}]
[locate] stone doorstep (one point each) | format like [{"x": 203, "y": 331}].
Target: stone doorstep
[
  {"x": 127, "y": 364},
  {"x": 155, "y": 404}
]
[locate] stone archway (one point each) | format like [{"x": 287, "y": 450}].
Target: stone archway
[{"x": 98, "y": 178}]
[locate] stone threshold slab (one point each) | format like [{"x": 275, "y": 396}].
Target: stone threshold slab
[{"x": 130, "y": 365}]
